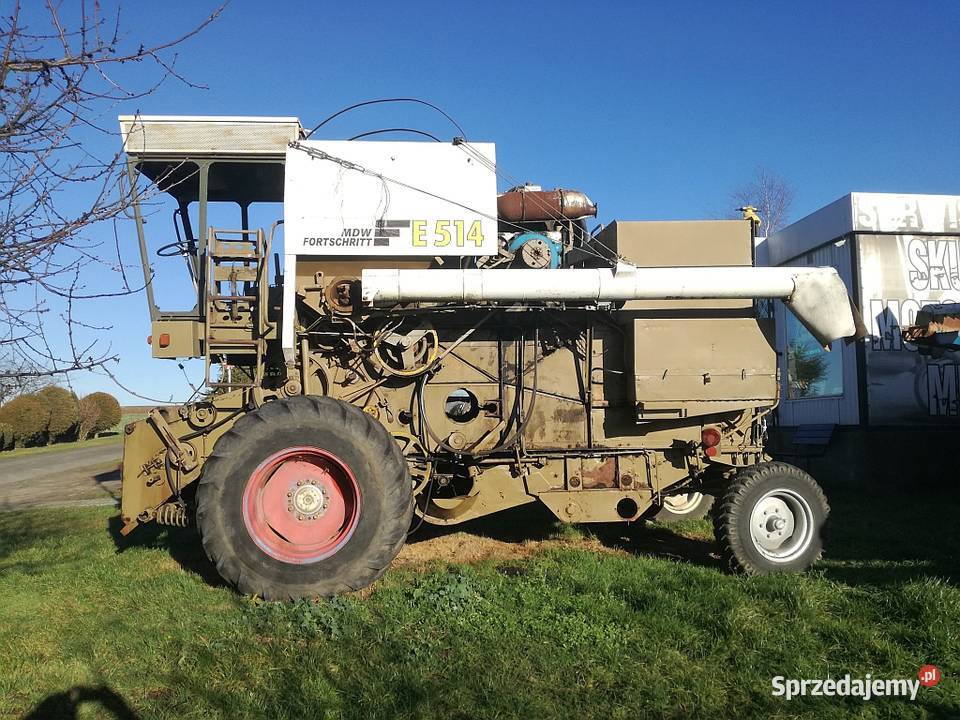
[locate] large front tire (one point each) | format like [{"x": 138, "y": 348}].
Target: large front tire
[
  {"x": 304, "y": 497},
  {"x": 770, "y": 519}
]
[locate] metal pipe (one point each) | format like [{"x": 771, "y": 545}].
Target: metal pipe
[
  {"x": 817, "y": 296},
  {"x": 134, "y": 200}
]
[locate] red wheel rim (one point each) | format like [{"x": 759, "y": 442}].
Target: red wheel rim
[{"x": 301, "y": 505}]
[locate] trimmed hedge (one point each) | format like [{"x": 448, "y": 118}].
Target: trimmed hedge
[
  {"x": 53, "y": 414},
  {"x": 63, "y": 413},
  {"x": 6, "y": 436},
  {"x": 27, "y": 415},
  {"x": 99, "y": 411}
]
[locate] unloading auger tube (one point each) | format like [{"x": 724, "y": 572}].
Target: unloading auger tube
[{"x": 816, "y": 295}]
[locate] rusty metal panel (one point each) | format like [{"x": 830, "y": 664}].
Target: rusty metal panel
[{"x": 598, "y": 472}]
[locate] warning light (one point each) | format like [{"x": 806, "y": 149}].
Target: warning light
[{"x": 710, "y": 437}]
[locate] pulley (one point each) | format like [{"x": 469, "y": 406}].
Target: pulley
[{"x": 536, "y": 250}]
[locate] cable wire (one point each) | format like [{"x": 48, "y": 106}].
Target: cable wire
[
  {"x": 418, "y": 101},
  {"x": 396, "y": 129}
]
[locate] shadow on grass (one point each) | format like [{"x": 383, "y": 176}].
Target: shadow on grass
[
  {"x": 183, "y": 544},
  {"x": 109, "y": 482},
  {"x": 23, "y": 529},
  {"x": 884, "y": 535},
  {"x": 67, "y": 705}
]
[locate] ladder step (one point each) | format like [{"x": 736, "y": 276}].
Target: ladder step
[
  {"x": 234, "y": 257},
  {"x": 242, "y": 273},
  {"x": 238, "y": 343}
]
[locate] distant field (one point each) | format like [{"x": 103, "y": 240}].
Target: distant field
[
  {"x": 543, "y": 621},
  {"x": 128, "y": 416}
]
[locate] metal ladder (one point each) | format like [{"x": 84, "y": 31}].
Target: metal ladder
[{"x": 235, "y": 304}]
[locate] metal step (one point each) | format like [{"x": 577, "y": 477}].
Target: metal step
[
  {"x": 234, "y": 257},
  {"x": 250, "y": 298}
]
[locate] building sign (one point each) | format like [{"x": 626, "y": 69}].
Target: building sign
[
  {"x": 899, "y": 274},
  {"x": 886, "y": 212}
]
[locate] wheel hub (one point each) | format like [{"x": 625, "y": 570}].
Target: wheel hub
[
  {"x": 310, "y": 500},
  {"x": 776, "y": 524}
]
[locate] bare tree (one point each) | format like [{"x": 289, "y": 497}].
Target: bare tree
[
  {"x": 770, "y": 194},
  {"x": 63, "y": 71},
  {"x": 18, "y": 378}
]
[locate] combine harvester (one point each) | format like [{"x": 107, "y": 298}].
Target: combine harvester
[{"x": 431, "y": 351}]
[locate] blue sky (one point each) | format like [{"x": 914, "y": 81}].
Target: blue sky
[{"x": 656, "y": 110}]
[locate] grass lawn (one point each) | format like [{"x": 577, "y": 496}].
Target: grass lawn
[
  {"x": 43, "y": 449},
  {"x": 587, "y": 625}
]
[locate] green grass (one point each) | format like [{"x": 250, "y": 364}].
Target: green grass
[
  {"x": 109, "y": 437},
  {"x": 569, "y": 632},
  {"x": 58, "y": 447}
]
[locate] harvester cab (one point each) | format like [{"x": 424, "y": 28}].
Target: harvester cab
[{"x": 433, "y": 351}]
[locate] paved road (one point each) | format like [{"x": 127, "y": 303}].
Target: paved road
[{"x": 79, "y": 476}]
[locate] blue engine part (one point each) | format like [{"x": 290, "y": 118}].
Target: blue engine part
[{"x": 553, "y": 246}]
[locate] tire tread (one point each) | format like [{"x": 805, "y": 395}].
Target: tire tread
[
  {"x": 396, "y": 489},
  {"x": 730, "y": 505}
]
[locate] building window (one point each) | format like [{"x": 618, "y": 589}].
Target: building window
[{"x": 811, "y": 371}]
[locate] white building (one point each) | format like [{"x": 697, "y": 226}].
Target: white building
[{"x": 896, "y": 253}]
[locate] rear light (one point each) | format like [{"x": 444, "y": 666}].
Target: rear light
[
  {"x": 164, "y": 340},
  {"x": 710, "y": 437},
  {"x": 149, "y": 339}
]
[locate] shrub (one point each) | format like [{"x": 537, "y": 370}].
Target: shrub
[
  {"x": 99, "y": 411},
  {"x": 63, "y": 412},
  {"x": 27, "y": 415},
  {"x": 6, "y": 436},
  {"x": 89, "y": 411}
]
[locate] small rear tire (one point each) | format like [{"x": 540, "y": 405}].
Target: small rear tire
[
  {"x": 684, "y": 506},
  {"x": 304, "y": 497},
  {"x": 770, "y": 519}
]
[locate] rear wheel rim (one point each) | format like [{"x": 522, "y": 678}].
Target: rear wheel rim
[
  {"x": 301, "y": 505},
  {"x": 782, "y": 525},
  {"x": 682, "y": 504}
]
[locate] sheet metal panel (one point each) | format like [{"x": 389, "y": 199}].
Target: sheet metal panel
[{"x": 390, "y": 199}]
